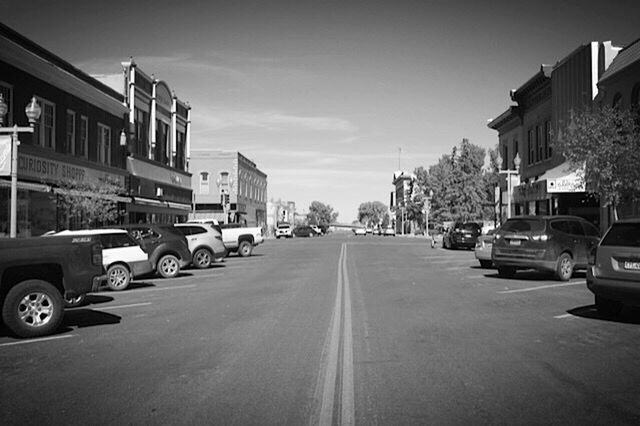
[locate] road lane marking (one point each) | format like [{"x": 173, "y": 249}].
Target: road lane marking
[
  {"x": 521, "y": 290},
  {"x": 133, "y": 305},
  {"x": 563, "y": 316},
  {"x": 176, "y": 287},
  {"x": 340, "y": 338},
  {"x": 42, "y": 339}
]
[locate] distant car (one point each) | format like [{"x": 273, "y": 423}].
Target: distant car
[
  {"x": 389, "y": 232},
  {"x": 284, "y": 230},
  {"x": 376, "y": 231},
  {"x": 461, "y": 234},
  {"x": 483, "y": 249},
  {"x": 204, "y": 241},
  {"x": 304, "y": 231},
  {"x": 368, "y": 230},
  {"x": 122, "y": 257},
  {"x": 558, "y": 244},
  {"x": 167, "y": 247},
  {"x": 359, "y": 231},
  {"x": 613, "y": 274},
  {"x": 317, "y": 229}
]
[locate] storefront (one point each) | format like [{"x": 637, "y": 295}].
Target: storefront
[{"x": 39, "y": 181}]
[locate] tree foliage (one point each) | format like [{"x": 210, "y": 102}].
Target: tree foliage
[
  {"x": 460, "y": 186},
  {"x": 321, "y": 214},
  {"x": 605, "y": 143},
  {"x": 87, "y": 204},
  {"x": 371, "y": 212}
]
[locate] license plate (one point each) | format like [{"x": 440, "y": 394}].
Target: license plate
[
  {"x": 634, "y": 266},
  {"x": 515, "y": 242}
]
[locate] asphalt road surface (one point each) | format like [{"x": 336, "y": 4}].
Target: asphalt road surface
[{"x": 332, "y": 330}]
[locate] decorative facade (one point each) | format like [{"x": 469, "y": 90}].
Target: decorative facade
[{"x": 229, "y": 187}]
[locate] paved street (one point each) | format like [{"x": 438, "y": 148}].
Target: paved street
[{"x": 342, "y": 329}]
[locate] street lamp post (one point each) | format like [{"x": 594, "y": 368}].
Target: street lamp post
[
  {"x": 224, "y": 187},
  {"x": 32, "y": 111},
  {"x": 509, "y": 173},
  {"x": 427, "y": 208}
]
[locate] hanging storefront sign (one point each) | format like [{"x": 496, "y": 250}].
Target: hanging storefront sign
[
  {"x": 571, "y": 183},
  {"x": 5, "y": 155}
]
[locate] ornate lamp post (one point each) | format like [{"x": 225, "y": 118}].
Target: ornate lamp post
[
  {"x": 509, "y": 173},
  {"x": 224, "y": 187},
  {"x": 427, "y": 208},
  {"x": 32, "y": 111}
]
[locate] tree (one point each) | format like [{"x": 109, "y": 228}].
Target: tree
[
  {"x": 321, "y": 214},
  {"x": 87, "y": 204},
  {"x": 604, "y": 143},
  {"x": 371, "y": 212},
  {"x": 458, "y": 183}
]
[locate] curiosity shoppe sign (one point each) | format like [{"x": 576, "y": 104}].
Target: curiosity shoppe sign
[{"x": 47, "y": 170}]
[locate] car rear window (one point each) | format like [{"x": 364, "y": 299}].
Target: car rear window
[
  {"x": 471, "y": 227},
  {"x": 623, "y": 235},
  {"x": 522, "y": 225}
]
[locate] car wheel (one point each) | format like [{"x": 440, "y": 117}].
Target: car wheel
[
  {"x": 118, "y": 277},
  {"x": 507, "y": 271},
  {"x": 74, "y": 302},
  {"x": 610, "y": 308},
  {"x": 245, "y": 249},
  {"x": 564, "y": 270},
  {"x": 486, "y": 264},
  {"x": 168, "y": 266},
  {"x": 202, "y": 258},
  {"x": 33, "y": 308}
]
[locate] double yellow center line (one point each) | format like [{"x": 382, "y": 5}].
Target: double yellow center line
[{"x": 337, "y": 402}]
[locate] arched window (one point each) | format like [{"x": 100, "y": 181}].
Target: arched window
[{"x": 616, "y": 100}]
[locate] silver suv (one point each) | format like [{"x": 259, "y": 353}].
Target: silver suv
[
  {"x": 613, "y": 274},
  {"x": 205, "y": 243},
  {"x": 284, "y": 230}
]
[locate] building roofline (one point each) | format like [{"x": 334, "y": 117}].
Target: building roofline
[{"x": 54, "y": 59}]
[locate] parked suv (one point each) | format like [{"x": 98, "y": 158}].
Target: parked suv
[
  {"x": 122, "y": 257},
  {"x": 205, "y": 243},
  {"x": 613, "y": 274},
  {"x": 167, "y": 248},
  {"x": 284, "y": 230},
  {"x": 461, "y": 234},
  {"x": 557, "y": 244}
]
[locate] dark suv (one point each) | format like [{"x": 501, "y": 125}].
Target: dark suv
[
  {"x": 557, "y": 244},
  {"x": 167, "y": 248},
  {"x": 613, "y": 274},
  {"x": 461, "y": 234}
]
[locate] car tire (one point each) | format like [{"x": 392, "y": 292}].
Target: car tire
[
  {"x": 202, "y": 258},
  {"x": 609, "y": 308},
  {"x": 118, "y": 277},
  {"x": 507, "y": 271},
  {"x": 74, "y": 302},
  {"x": 564, "y": 268},
  {"x": 33, "y": 308},
  {"x": 245, "y": 248},
  {"x": 168, "y": 266},
  {"x": 486, "y": 264}
]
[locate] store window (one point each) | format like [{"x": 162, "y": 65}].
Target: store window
[
  {"x": 7, "y": 95},
  {"x": 104, "y": 144},
  {"x": 83, "y": 146},
  {"x": 530, "y": 147},
  {"x": 45, "y": 126},
  {"x": 547, "y": 139}
]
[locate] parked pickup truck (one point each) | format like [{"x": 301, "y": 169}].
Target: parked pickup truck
[
  {"x": 37, "y": 274},
  {"x": 236, "y": 238}
]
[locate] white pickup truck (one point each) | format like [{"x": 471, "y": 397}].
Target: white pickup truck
[{"x": 235, "y": 237}]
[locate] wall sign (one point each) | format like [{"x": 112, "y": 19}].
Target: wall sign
[{"x": 52, "y": 171}]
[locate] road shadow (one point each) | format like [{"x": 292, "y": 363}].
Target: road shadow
[
  {"x": 97, "y": 299},
  {"x": 629, "y": 315},
  {"x": 533, "y": 275},
  {"x": 84, "y": 317}
]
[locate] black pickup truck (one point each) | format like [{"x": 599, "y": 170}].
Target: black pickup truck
[{"x": 37, "y": 274}]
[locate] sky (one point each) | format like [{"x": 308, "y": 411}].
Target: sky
[{"x": 329, "y": 98}]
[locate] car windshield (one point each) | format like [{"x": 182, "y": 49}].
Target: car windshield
[
  {"x": 623, "y": 235},
  {"x": 284, "y": 226},
  {"x": 523, "y": 225},
  {"x": 470, "y": 227}
]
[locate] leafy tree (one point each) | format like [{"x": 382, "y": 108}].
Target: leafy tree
[
  {"x": 87, "y": 204},
  {"x": 460, "y": 188},
  {"x": 371, "y": 212},
  {"x": 604, "y": 143},
  {"x": 321, "y": 214}
]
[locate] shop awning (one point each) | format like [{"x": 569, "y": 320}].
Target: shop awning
[{"x": 562, "y": 179}]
